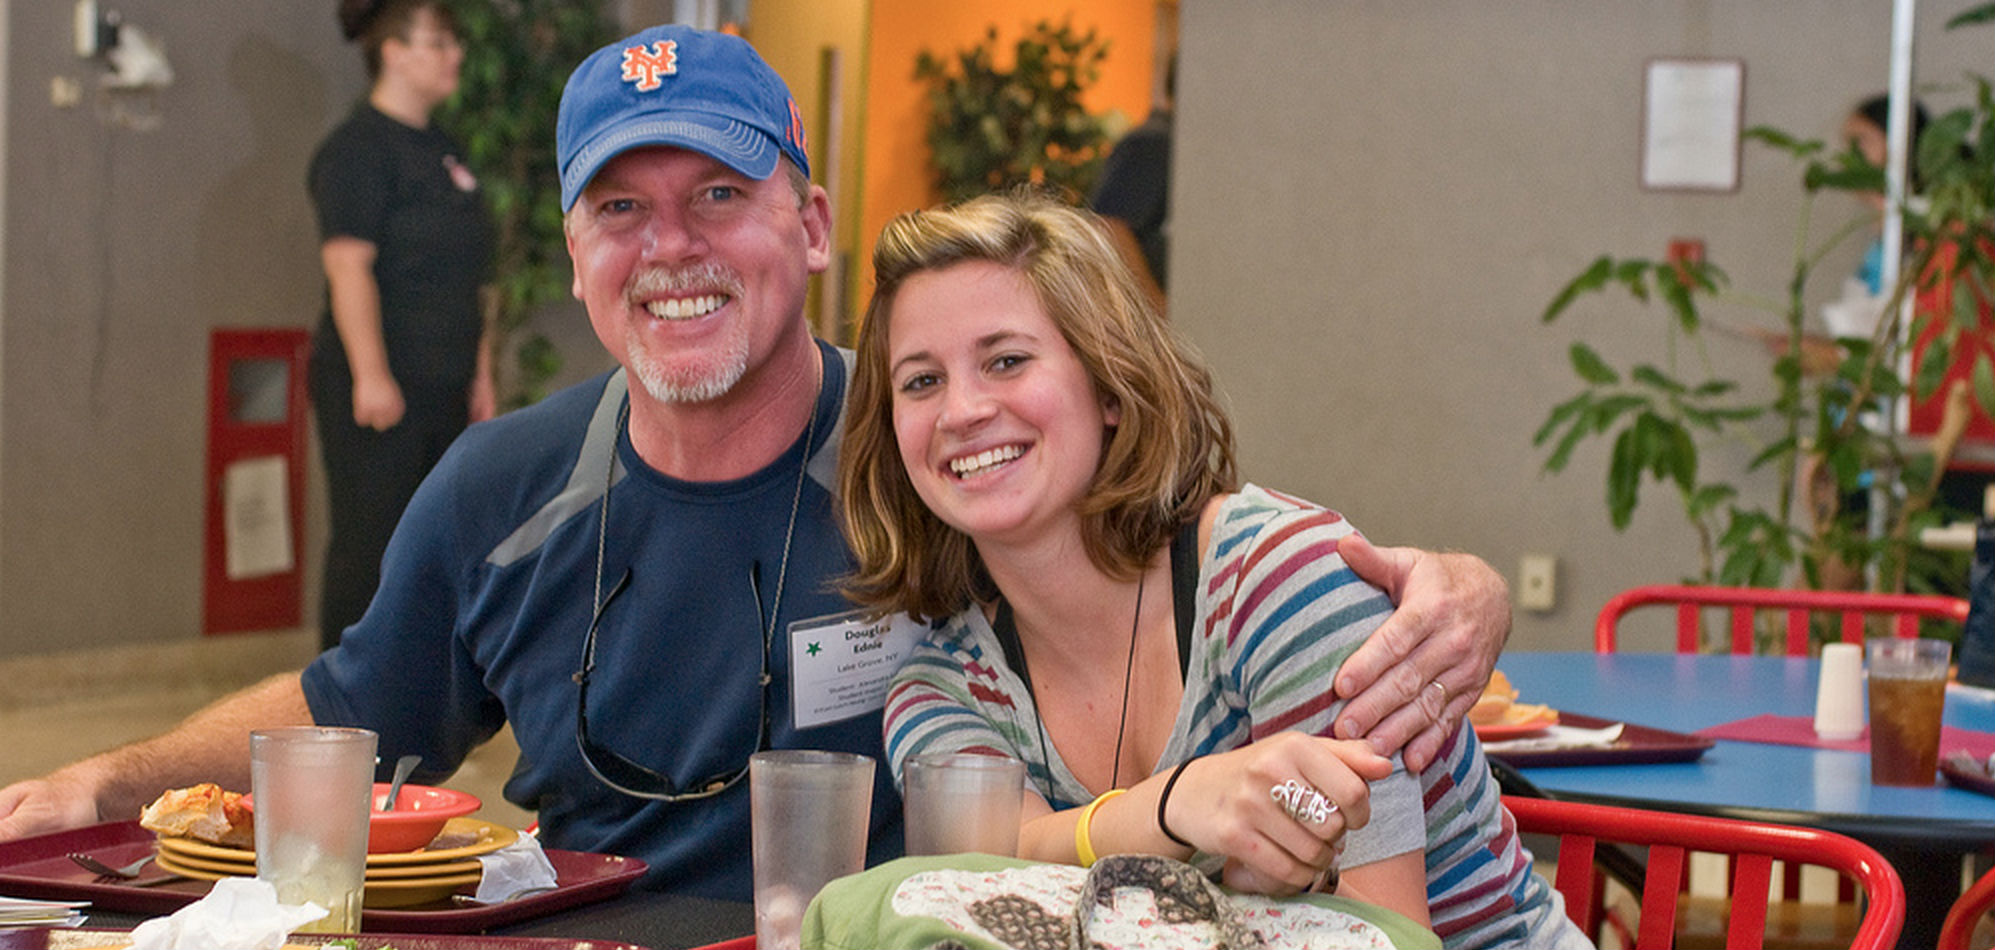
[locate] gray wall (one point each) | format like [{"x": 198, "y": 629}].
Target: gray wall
[
  {"x": 1375, "y": 200},
  {"x": 122, "y": 248}
]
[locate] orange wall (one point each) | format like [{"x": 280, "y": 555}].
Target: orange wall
[
  {"x": 895, "y": 175},
  {"x": 794, "y": 36}
]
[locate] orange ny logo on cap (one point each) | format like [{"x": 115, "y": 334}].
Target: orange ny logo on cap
[
  {"x": 644, "y": 67},
  {"x": 796, "y": 131}
]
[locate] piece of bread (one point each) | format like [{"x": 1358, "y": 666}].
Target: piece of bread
[
  {"x": 1498, "y": 705},
  {"x": 1496, "y": 699},
  {"x": 204, "y": 812}
]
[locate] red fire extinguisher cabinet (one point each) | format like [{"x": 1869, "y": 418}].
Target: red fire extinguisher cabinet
[{"x": 253, "y": 571}]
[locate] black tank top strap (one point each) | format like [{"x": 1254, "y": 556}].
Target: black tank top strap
[{"x": 1184, "y": 591}]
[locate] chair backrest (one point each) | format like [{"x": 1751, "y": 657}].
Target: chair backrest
[
  {"x": 1670, "y": 838},
  {"x": 1977, "y": 900},
  {"x": 1744, "y": 603}
]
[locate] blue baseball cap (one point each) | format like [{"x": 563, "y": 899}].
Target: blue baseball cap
[{"x": 675, "y": 85}]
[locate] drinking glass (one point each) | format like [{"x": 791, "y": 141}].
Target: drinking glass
[
  {"x": 1908, "y": 688},
  {"x": 961, "y": 802},
  {"x": 312, "y": 789},
  {"x": 809, "y": 812}
]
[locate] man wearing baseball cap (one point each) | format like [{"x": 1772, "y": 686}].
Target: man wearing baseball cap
[{"x": 637, "y": 573}]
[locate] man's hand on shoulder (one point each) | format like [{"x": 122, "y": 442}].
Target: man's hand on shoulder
[{"x": 1415, "y": 678}]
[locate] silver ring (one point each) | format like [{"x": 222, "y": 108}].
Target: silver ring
[
  {"x": 1436, "y": 684},
  {"x": 1302, "y": 803}
]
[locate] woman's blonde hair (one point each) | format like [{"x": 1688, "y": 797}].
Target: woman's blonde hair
[{"x": 1171, "y": 451}]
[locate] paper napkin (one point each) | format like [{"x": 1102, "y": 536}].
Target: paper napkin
[
  {"x": 21, "y": 912},
  {"x": 240, "y": 912},
  {"x": 513, "y": 871},
  {"x": 1558, "y": 737}
]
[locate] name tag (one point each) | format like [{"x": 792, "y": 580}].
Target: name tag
[{"x": 840, "y": 665}]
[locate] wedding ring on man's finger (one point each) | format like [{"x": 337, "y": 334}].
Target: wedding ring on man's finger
[
  {"x": 1436, "y": 684},
  {"x": 1302, "y": 803}
]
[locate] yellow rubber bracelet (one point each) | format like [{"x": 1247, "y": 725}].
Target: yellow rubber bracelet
[{"x": 1082, "y": 846}]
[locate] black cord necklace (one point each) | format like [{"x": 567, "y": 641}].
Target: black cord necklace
[
  {"x": 1007, "y": 629},
  {"x": 1128, "y": 673}
]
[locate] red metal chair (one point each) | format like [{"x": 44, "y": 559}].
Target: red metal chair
[
  {"x": 1670, "y": 838},
  {"x": 1978, "y": 899},
  {"x": 1854, "y": 607}
]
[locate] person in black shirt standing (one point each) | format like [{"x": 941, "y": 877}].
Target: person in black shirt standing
[
  {"x": 400, "y": 363},
  {"x": 1133, "y": 196}
]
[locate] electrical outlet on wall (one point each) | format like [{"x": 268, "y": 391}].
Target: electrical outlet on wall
[{"x": 1537, "y": 582}]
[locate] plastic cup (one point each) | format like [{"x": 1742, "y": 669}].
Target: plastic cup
[
  {"x": 1839, "y": 693},
  {"x": 1908, "y": 680},
  {"x": 961, "y": 802},
  {"x": 313, "y": 788},
  {"x": 809, "y": 812}
]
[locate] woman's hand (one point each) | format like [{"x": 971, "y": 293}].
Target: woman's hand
[
  {"x": 1223, "y": 804},
  {"x": 377, "y": 402}
]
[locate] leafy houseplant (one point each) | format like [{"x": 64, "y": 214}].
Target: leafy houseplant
[
  {"x": 990, "y": 129},
  {"x": 517, "y": 57},
  {"x": 1658, "y": 415}
]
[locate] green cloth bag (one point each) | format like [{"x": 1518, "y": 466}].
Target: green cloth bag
[{"x": 984, "y": 902}]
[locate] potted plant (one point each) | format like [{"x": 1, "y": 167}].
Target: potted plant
[
  {"x": 991, "y": 129},
  {"x": 1812, "y": 432},
  {"x": 517, "y": 57}
]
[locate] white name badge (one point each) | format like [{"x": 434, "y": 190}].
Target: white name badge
[{"x": 840, "y": 665}]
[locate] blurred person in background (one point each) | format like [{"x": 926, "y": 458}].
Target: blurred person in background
[
  {"x": 400, "y": 362},
  {"x": 1133, "y": 196}
]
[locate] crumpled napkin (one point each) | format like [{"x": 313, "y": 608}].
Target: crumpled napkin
[
  {"x": 1559, "y": 737},
  {"x": 240, "y": 913},
  {"x": 516, "y": 870}
]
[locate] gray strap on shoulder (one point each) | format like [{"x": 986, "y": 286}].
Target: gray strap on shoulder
[
  {"x": 824, "y": 462},
  {"x": 585, "y": 482}
]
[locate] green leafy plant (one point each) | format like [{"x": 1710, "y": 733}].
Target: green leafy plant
[
  {"x": 1816, "y": 429},
  {"x": 991, "y": 129},
  {"x": 517, "y": 57}
]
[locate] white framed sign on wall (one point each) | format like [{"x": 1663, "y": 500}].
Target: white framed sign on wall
[{"x": 1691, "y": 114}]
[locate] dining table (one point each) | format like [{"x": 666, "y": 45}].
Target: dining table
[
  {"x": 649, "y": 919},
  {"x": 1925, "y": 832}
]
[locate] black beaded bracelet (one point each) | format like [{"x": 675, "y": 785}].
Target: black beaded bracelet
[{"x": 1165, "y": 799}]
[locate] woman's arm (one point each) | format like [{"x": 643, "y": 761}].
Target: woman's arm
[
  {"x": 1396, "y": 883},
  {"x": 484, "y": 381},
  {"x": 1220, "y": 803},
  {"x": 1293, "y": 618},
  {"x": 356, "y": 313}
]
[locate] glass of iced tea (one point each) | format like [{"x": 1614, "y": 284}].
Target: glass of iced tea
[{"x": 1908, "y": 683}]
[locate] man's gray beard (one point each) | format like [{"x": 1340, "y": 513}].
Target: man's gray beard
[{"x": 651, "y": 374}]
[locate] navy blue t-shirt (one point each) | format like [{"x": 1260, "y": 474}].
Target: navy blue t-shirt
[{"x": 484, "y": 605}]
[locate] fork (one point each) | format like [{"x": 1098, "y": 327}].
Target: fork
[{"x": 106, "y": 872}]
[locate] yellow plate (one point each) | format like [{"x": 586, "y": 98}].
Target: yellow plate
[
  {"x": 462, "y": 837},
  {"x": 397, "y": 892},
  {"x": 407, "y": 893},
  {"x": 390, "y": 873}
]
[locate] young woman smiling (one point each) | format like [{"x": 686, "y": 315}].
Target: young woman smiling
[{"x": 1037, "y": 459}]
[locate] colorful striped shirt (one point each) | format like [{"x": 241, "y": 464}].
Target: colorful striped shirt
[{"x": 1277, "y": 613}]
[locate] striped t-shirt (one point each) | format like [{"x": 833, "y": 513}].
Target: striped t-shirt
[{"x": 1277, "y": 612}]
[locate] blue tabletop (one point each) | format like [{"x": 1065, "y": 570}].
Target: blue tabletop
[{"x": 1793, "y": 784}]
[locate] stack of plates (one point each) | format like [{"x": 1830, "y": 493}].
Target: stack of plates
[{"x": 394, "y": 879}]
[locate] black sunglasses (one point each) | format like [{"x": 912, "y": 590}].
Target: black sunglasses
[{"x": 636, "y": 780}]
